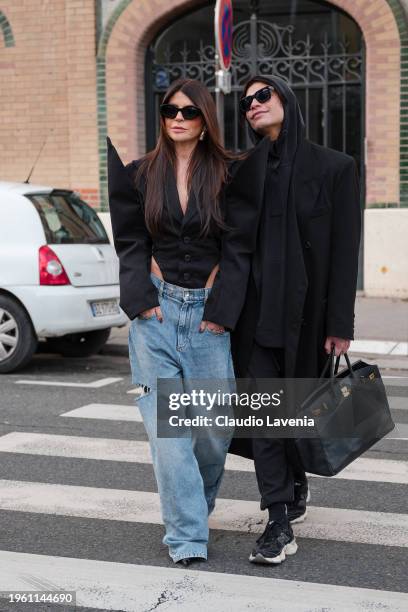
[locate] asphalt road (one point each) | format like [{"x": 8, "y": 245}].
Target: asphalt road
[{"x": 78, "y": 489}]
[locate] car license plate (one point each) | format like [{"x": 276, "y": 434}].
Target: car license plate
[{"x": 105, "y": 307}]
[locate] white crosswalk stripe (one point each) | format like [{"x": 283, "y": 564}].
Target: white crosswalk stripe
[
  {"x": 126, "y": 412},
  {"x": 126, "y": 586},
  {"x": 399, "y": 433},
  {"x": 395, "y": 381},
  {"x": 109, "y": 412},
  {"x": 96, "y": 384},
  {"x": 137, "y": 588},
  {"x": 398, "y": 403},
  {"x": 134, "y": 451},
  {"x": 230, "y": 514}
]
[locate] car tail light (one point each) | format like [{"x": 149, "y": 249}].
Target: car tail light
[{"x": 51, "y": 269}]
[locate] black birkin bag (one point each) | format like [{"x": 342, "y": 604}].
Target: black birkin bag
[{"x": 351, "y": 413}]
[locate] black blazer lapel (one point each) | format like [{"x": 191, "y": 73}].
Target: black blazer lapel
[
  {"x": 173, "y": 202},
  {"x": 192, "y": 208}
]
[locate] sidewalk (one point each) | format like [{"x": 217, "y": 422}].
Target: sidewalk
[
  {"x": 381, "y": 329},
  {"x": 381, "y": 332},
  {"x": 381, "y": 319}
]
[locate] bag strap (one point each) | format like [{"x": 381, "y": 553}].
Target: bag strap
[
  {"x": 329, "y": 362},
  {"x": 335, "y": 368},
  {"x": 352, "y": 373}
]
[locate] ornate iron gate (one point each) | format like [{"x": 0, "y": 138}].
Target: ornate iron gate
[{"x": 327, "y": 78}]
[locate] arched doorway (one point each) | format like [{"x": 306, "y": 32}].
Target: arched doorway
[{"x": 314, "y": 45}]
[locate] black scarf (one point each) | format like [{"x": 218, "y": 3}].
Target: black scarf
[{"x": 270, "y": 258}]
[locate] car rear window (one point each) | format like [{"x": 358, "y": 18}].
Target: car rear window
[{"x": 68, "y": 219}]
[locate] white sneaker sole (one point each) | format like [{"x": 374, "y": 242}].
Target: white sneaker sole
[
  {"x": 290, "y": 549},
  {"x": 299, "y": 519}
]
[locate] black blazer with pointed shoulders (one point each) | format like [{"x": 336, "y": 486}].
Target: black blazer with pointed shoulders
[{"x": 185, "y": 257}]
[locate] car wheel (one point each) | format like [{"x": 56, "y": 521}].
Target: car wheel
[
  {"x": 81, "y": 344},
  {"x": 18, "y": 340}
]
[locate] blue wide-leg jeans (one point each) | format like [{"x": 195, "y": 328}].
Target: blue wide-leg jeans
[{"x": 188, "y": 470}]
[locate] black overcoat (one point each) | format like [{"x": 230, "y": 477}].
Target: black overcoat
[
  {"x": 321, "y": 260},
  {"x": 323, "y": 236}
]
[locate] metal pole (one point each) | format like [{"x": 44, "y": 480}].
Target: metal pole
[{"x": 219, "y": 100}]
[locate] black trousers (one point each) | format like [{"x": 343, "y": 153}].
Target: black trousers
[{"x": 277, "y": 465}]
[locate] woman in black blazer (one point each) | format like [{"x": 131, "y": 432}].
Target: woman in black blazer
[{"x": 170, "y": 225}]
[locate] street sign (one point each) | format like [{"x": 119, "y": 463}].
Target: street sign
[{"x": 223, "y": 32}]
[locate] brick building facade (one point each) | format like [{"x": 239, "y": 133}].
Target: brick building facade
[{"x": 72, "y": 71}]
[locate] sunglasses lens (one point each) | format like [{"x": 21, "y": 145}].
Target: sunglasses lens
[
  {"x": 263, "y": 95},
  {"x": 169, "y": 111},
  {"x": 190, "y": 112},
  {"x": 245, "y": 103}
]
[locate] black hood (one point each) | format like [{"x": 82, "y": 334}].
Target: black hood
[{"x": 293, "y": 128}]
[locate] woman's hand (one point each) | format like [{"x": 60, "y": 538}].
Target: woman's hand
[
  {"x": 151, "y": 312},
  {"x": 154, "y": 269},
  {"x": 341, "y": 345},
  {"x": 213, "y": 327}
]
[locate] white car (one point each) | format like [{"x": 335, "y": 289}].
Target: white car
[{"x": 59, "y": 275}]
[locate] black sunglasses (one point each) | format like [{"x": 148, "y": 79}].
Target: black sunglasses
[
  {"x": 170, "y": 111},
  {"x": 262, "y": 96}
]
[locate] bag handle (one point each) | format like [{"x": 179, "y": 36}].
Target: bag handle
[
  {"x": 336, "y": 369},
  {"x": 329, "y": 362}
]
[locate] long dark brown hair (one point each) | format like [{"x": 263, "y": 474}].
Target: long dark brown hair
[{"x": 207, "y": 169}]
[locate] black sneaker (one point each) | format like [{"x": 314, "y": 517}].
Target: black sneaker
[
  {"x": 297, "y": 511},
  {"x": 275, "y": 543}
]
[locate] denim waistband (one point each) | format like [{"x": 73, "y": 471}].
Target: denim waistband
[{"x": 180, "y": 293}]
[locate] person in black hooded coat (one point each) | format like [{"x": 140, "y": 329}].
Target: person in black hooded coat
[{"x": 302, "y": 284}]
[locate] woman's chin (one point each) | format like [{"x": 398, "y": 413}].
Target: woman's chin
[
  {"x": 261, "y": 126},
  {"x": 184, "y": 138}
]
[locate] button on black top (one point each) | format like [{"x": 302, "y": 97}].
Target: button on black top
[
  {"x": 187, "y": 257},
  {"x": 186, "y": 239},
  {"x": 308, "y": 244},
  {"x": 186, "y": 275}
]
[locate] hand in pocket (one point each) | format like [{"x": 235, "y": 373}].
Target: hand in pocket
[
  {"x": 151, "y": 312},
  {"x": 212, "y": 327}
]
